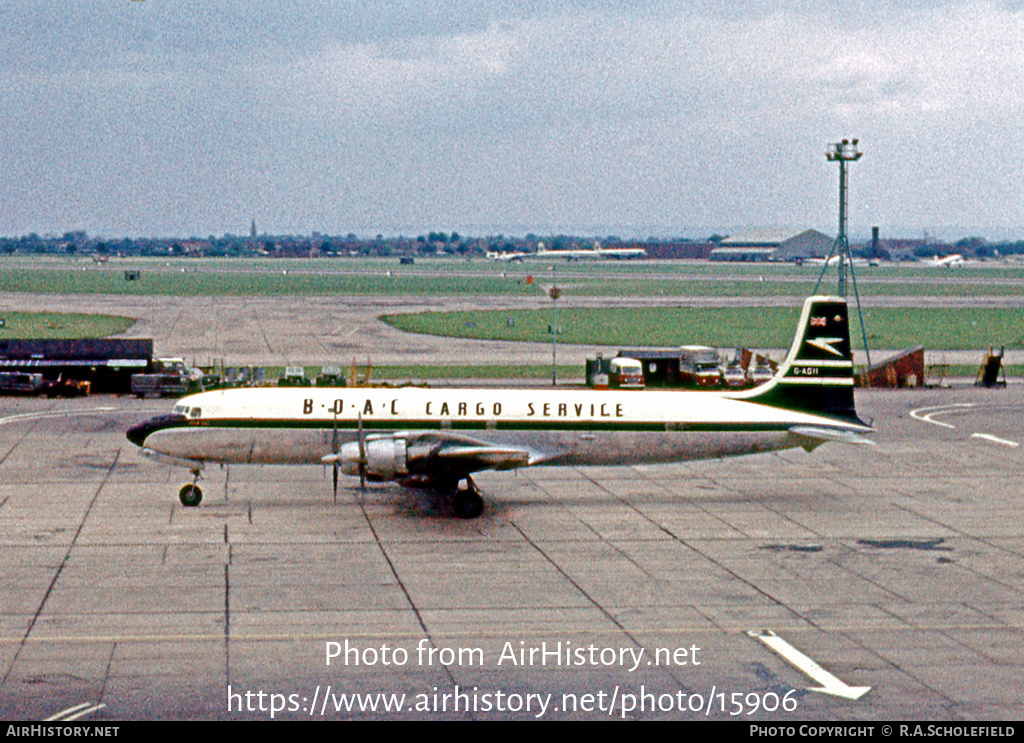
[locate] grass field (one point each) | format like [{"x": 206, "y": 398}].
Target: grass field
[
  {"x": 50, "y": 325},
  {"x": 451, "y": 276},
  {"x": 759, "y": 327}
]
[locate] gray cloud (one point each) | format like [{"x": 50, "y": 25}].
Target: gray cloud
[{"x": 192, "y": 117}]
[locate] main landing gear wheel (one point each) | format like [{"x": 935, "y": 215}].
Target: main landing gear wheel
[
  {"x": 468, "y": 503},
  {"x": 191, "y": 495}
]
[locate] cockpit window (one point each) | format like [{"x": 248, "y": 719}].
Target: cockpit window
[
  {"x": 182, "y": 409},
  {"x": 195, "y": 412}
]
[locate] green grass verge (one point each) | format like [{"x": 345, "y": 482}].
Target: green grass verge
[
  {"x": 756, "y": 327},
  {"x": 450, "y": 277},
  {"x": 49, "y": 325},
  {"x": 964, "y": 370}
]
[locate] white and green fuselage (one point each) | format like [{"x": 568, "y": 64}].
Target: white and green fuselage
[{"x": 421, "y": 435}]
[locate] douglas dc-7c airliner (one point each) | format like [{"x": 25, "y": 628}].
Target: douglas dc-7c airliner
[{"x": 437, "y": 438}]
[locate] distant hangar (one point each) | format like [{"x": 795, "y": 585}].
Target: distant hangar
[{"x": 773, "y": 245}]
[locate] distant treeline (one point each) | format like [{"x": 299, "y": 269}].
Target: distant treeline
[{"x": 433, "y": 243}]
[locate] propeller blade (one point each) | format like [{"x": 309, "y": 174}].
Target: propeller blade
[
  {"x": 362, "y": 454},
  {"x": 334, "y": 450}
]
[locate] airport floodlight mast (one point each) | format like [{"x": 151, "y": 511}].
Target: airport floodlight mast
[{"x": 842, "y": 153}]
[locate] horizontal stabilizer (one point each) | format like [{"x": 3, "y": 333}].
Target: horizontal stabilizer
[{"x": 813, "y": 437}]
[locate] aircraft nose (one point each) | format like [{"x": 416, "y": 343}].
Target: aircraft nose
[{"x": 138, "y": 433}]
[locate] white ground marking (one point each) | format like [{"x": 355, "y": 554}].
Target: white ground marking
[
  {"x": 52, "y": 414},
  {"x": 829, "y": 683},
  {"x": 925, "y": 414},
  {"x": 73, "y": 713},
  {"x": 995, "y": 439}
]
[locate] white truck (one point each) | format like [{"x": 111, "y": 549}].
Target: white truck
[
  {"x": 166, "y": 377},
  {"x": 626, "y": 374}
]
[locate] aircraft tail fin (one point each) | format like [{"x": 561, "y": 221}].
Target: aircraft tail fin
[{"x": 817, "y": 375}]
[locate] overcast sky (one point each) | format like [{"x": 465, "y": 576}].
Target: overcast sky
[{"x": 647, "y": 117}]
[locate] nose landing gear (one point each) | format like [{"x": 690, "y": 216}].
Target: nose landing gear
[{"x": 191, "y": 495}]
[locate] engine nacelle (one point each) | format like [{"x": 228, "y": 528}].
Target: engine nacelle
[{"x": 385, "y": 458}]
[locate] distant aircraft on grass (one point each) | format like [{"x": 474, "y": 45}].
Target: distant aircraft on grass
[
  {"x": 950, "y": 261},
  {"x": 567, "y": 254}
]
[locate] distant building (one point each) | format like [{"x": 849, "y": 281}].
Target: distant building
[
  {"x": 773, "y": 245},
  {"x": 908, "y": 250},
  {"x": 678, "y": 249}
]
